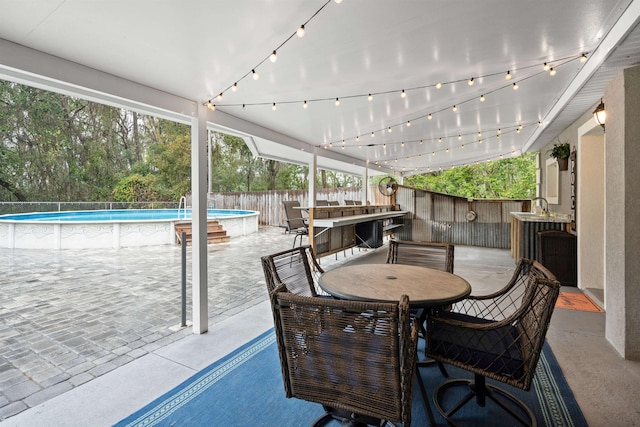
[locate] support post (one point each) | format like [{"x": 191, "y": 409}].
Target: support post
[{"x": 199, "y": 220}]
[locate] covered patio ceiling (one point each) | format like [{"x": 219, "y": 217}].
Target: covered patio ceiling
[{"x": 400, "y": 52}]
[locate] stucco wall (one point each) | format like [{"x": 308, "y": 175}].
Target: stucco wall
[
  {"x": 622, "y": 244},
  {"x": 569, "y": 135}
]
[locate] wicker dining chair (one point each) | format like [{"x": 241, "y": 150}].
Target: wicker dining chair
[
  {"x": 296, "y": 268},
  {"x": 355, "y": 358},
  {"x": 498, "y": 336},
  {"x": 439, "y": 256}
]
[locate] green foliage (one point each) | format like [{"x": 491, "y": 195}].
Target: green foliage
[
  {"x": 54, "y": 147},
  {"x": 509, "y": 178},
  {"x": 561, "y": 150},
  {"x": 137, "y": 188}
]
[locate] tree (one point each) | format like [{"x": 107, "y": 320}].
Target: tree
[{"x": 509, "y": 178}]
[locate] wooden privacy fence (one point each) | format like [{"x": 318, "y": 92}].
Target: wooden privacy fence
[
  {"x": 269, "y": 203},
  {"x": 434, "y": 217}
]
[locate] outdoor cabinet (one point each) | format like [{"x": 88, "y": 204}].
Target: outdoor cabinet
[
  {"x": 558, "y": 252},
  {"x": 369, "y": 234}
]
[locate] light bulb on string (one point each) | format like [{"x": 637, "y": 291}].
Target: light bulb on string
[
  {"x": 583, "y": 58},
  {"x": 300, "y": 31},
  {"x": 274, "y": 56},
  {"x": 403, "y": 94},
  {"x": 515, "y": 86},
  {"x": 482, "y": 98},
  {"x": 305, "y": 105},
  {"x": 429, "y": 117},
  {"x": 370, "y": 97},
  {"x": 546, "y": 67},
  {"x": 255, "y": 75},
  {"x": 390, "y": 129},
  {"x": 454, "y": 108},
  {"x": 273, "y": 107},
  {"x": 408, "y": 123},
  {"x": 438, "y": 85},
  {"x": 508, "y": 75},
  {"x": 552, "y": 72},
  {"x": 234, "y": 88},
  {"x": 470, "y": 81},
  {"x": 337, "y": 101},
  {"x": 220, "y": 95}
]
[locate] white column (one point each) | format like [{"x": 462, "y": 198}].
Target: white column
[
  {"x": 313, "y": 172},
  {"x": 199, "y": 220},
  {"x": 365, "y": 185}
]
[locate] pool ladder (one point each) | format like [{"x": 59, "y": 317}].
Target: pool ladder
[{"x": 182, "y": 204}]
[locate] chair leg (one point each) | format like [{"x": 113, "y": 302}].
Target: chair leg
[{"x": 479, "y": 389}]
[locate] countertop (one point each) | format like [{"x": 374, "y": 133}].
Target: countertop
[{"x": 531, "y": 217}]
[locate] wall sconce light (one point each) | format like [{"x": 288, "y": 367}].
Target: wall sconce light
[{"x": 600, "y": 114}]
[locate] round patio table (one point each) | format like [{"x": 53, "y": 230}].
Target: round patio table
[{"x": 425, "y": 287}]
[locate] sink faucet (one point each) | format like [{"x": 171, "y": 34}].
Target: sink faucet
[{"x": 545, "y": 209}]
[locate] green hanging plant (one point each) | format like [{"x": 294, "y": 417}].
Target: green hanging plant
[{"x": 561, "y": 150}]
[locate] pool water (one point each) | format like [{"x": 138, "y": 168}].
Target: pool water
[{"x": 120, "y": 215}]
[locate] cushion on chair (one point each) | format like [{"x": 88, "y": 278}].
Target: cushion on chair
[{"x": 495, "y": 350}]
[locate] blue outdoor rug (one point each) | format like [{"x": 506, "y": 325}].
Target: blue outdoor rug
[{"x": 245, "y": 389}]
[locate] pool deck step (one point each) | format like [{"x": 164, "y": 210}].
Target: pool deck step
[{"x": 215, "y": 232}]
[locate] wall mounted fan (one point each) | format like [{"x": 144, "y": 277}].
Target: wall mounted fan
[{"x": 388, "y": 186}]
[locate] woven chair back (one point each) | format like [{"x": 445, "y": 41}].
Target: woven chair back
[
  {"x": 296, "y": 268},
  {"x": 354, "y": 356},
  {"x": 424, "y": 254}
]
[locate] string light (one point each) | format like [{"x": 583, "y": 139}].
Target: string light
[
  {"x": 482, "y": 98},
  {"x": 390, "y": 129},
  {"x": 470, "y": 81},
  {"x": 459, "y": 137},
  {"x": 273, "y": 107},
  {"x": 438, "y": 85},
  {"x": 546, "y": 67},
  {"x": 403, "y": 94},
  {"x": 552, "y": 72},
  {"x": 583, "y": 58},
  {"x": 454, "y": 108},
  {"x": 429, "y": 117},
  {"x": 234, "y": 88},
  {"x": 300, "y": 31},
  {"x": 408, "y": 123},
  {"x": 515, "y": 86},
  {"x": 255, "y": 75},
  {"x": 305, "y": 105},
  {"x": 274, "y": 56},
  {"x": 337, "y": 101},
  {"x": 508, "y": 75},
  {"x": 220, "y": 95},
  {"x": 211, "y": 106}
]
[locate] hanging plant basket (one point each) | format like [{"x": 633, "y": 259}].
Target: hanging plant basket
[
  {"x": 563, "y": 164},
  {"x": 561, "y": 152}
]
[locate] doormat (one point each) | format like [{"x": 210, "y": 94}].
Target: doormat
[{"x": 575, "y": 301}]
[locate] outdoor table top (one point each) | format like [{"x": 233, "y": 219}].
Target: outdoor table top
[{"x": 425, "y": 287}]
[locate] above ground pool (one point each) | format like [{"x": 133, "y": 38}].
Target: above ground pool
[{"x": 110, "y": 228}]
